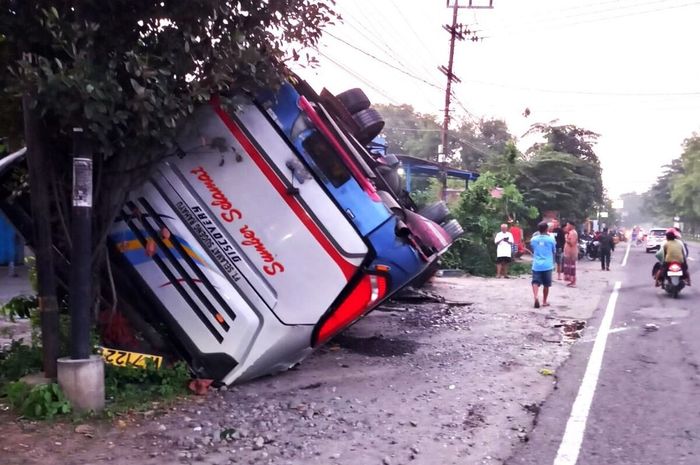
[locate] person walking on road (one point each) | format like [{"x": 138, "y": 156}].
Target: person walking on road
[
  {"x": 560, "y": 239},
  {"x": 504, "y": 251},
  {"x": 544, "y": 249},
  {"x": 606, "y": 247},
  {"x": 570, "y": 254}
]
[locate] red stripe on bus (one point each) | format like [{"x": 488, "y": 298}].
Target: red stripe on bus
[{"x": 347, "y": 268}]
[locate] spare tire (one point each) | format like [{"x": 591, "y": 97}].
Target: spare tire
[
  {"x": 436, "y": 212},
  {"x": 453, "y": 228},
  {"x": 370, "y": 123},
  {"x": 354, "y": 100}
]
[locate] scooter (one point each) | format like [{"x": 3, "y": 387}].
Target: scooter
[
  {"x": 581, "y": 249},
  {"x": 674, "y": 282},
  {"x": 593, "y": 250}
]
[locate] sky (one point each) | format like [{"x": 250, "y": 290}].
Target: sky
[{"x": 625, "y": 69}]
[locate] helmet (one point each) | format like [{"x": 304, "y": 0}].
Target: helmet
[{"x": 674, "y": 231}]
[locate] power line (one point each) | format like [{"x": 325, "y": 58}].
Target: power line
[
  {"x": 359, "y": 77},
  {"x": 395, "y": 57},
  {"x": 586, "y": 92},
  {"x": 376, "y": 40},
  {"x": 602, "y": 19},
  {"x": 374, "y": 57},
  {"x": 588, "y": 13},
  {"x": 523, "y": 88},
  {"x": 382, "y": 41},
  {"x": 413, "y": 31}
]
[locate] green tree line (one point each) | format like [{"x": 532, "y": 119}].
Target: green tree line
[
  {"x": 560, "y": 172},
  {"x": 676, "y": 192}
]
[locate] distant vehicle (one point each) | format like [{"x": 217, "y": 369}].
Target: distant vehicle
[{"x": 655, "y": 238}]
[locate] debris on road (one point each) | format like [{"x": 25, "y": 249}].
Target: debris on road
[
  {"x": 546, "y": 372},
  {"x": 650, "y": 327},
  {"x": 571, "y": 329}
]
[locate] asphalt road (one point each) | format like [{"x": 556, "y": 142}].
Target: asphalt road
[{"x": 644, "y": 405}]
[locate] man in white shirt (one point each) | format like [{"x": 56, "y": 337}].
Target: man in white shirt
[{"x": 504, "y": 251}]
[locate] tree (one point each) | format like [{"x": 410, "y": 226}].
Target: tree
[
  {"x": 657, "y": 200},
  {"x": 471, "y": 144},
  {"x": 129, "y": 73},
  {"x": 685, "y": 186},
  {"x": 408, "y": 132},
  {"x": 566, "y": 138},
  {"x": 482, "y": 141},
  {"x": 561, "y": 182},
  {"x": 480, "y": 213},
  {"x": 634, "y": 211}
]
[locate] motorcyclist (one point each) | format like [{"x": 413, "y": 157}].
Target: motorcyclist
[{"x": 672, "y": 250}]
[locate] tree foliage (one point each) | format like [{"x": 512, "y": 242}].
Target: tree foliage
[
  {"x": 566, "y": 138},
  {"x": 481, "y": 213},
  {"x": 471, "y": 144},
  {"x": 685, "y": 188},
  {"x": 657, "y": 199},
  {"x": 130, "y": 72},
  {"x": 561, "y": 182},
  {"x": 409, "y": 132}
]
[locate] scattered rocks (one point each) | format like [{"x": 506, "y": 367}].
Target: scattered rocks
[
  {"x": 258, "y": 443},
  {"x": 86, "y": 430}
]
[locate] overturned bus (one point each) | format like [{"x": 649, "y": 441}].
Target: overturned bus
[{"x": 274, "y": 229}]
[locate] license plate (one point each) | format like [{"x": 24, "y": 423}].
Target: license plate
[
  {"x": 675, "y": 273},
  {"x": 122, "y": 358}
]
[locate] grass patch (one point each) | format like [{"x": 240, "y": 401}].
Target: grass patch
[
  {"x": 131, "y": 388},
  {"x": 519, "y": 268}
]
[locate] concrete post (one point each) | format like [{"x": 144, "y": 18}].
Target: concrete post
[{"x": 83, "y": 382}]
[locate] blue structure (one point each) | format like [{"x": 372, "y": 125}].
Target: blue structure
[
  {"x": 417, "y": 166},
  {"x": 11, "y": 243}
]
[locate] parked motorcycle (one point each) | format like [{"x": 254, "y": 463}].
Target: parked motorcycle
[
  {"x": 674, "y": 281},
  {"x": 581, "y": 248},
  {"x": 593, "y": 249}
]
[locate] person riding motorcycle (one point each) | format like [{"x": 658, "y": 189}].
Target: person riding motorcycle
[{"x": 672, "y": 250}]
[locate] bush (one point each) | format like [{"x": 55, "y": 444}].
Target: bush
[
  {"x": 44, "y": 401},
  {"x": 19, "y": 360},
  {"x": 19, "y": 307},
  {"x": 481, "y": 214}
]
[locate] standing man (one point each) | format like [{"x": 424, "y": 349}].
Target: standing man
[
  {"x": 570, "y": 257},
  {"x": 504, "y": 251},
  {"x": 544, "y": 248},
  {"x": 560, "y": 239},
  {"x": 605, "y": 247},
  {"x": 517, "y": 233}
]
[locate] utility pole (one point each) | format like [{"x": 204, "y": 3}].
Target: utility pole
[
  {"x": 457, "y": 32},
  {"x": 81, "y": 272}
]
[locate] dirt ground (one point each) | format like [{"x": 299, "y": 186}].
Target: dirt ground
[{"x": 421, "y": 383}]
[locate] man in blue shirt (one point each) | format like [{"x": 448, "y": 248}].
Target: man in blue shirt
[{"x": 544, "y": 248}]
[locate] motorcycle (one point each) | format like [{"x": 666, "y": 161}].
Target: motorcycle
[
  {"x": 581, "y": 248},
  {"x": 593, "y": 249},
  {"x": 674, "y": 281}
]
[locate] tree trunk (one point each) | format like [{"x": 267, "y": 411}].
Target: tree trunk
[{"x": 41, "y": 215}]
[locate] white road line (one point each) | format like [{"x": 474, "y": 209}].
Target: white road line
[
  {"x": 627, "y": 253},
  {"x": 576, "y": 426}
]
